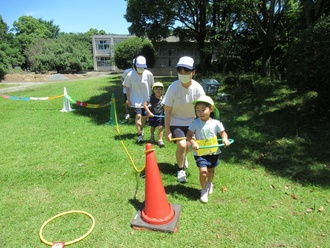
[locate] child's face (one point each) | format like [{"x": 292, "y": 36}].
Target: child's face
[
  {"x": 158, "y": 91},
  {"x": 203, "y": 111}
]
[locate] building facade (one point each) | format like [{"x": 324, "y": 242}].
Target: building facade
[
  {"x": 168, "y": 53},
  {"x": 103, "y": 51}
]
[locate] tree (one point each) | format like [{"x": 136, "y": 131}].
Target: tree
[
  {"x": 308, "y": 62},
  {"x": 9, "y": 56},
  {"x": 264, "y": 18},
  {"x": 130, "y": 48},
  {"x": 53, "y": 29},
  {"x": 67, "y": 53},
  {"x": 26, "y": 30},
  {"x": 197, "y": 20},
  {"x": 313, "y": 10}
]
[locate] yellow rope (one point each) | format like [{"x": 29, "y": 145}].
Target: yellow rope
[{"x": 121, "y": 141}]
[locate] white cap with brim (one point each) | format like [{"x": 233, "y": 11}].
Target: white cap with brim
[
  {"x": 140, "y": 62},
  {"x": 208, "y": 100},
  {"x": 186, "y": 62}
]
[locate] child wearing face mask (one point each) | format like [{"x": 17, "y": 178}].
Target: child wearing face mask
[
  {"x": 138, "y": 84},
  {"x": 179, "y": 111}
]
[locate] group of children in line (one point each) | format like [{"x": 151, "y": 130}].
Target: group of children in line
[{"x": 183, "y": 101}]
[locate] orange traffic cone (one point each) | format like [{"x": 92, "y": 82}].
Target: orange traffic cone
[{"x": 157, "y": 213}]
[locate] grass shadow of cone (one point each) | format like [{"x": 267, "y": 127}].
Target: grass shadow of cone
[{"x": 157, "y": 213}]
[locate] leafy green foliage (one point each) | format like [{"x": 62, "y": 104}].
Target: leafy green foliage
[
  {"x": 9, "y": 56},
  {"x": 130, "y": 48},
  {"x": 68, "y": 53},
  {"x": 308, "y": 62}
]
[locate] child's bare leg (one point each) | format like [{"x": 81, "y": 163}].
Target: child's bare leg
[
  {"x": 138, "y": 123},
  {"x": 203, "y": 176},
  {"x": 160, "y": 132},
  {"x": 180, "y": 152},
  {"x": 210, "y": 174}
]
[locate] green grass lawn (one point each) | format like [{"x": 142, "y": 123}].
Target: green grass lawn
[{"x": 271, "y": 189}]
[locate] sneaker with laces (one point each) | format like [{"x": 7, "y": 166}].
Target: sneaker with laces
[
  {"x": 181, "y": 176},
  {"x": 152, "y": 138},
  {"x": 127, "y": 116},
  {"x": 140, "y": 138},
  {"x": 204, "y": 196},
  {"x": 209, "y": 187},
  {"x": 186, "y": 165},
  {"x": 161, "y": 143}
]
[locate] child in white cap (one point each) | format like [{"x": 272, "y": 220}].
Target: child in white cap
[
  {"x": 138, "y": 84},
  {"x": 203, "y": 131},
  {"x": 179, "y": 111}
]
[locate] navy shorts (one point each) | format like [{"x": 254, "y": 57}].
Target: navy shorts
[
  {"x": 179, "y": 131},
  {"x": 156, "y": 121},
  {"x": 209, "y": 161},
  {"x": 139, "y": 111}
]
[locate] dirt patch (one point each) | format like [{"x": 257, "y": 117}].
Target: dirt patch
[
  {"x": 33, "y": 77},
  {"x": 19, "y": 81}
]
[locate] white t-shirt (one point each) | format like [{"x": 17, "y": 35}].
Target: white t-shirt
[
  {"x": 124, "y": 76},
  {"x": 139, "y": 87},
  {"x": 180, "y": 99},
  {"x": 202, "y": 129}
]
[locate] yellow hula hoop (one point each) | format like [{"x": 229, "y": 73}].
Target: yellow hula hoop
[
  {"x": 65, "y": 213},
  {"x": 176, "y": 139}
]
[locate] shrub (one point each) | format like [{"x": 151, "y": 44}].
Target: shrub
[{"x": 126, "y": 50}]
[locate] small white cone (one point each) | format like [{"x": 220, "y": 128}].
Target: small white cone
[{"x": 66, "y": 103}]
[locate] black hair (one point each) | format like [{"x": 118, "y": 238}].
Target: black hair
[
  {"x": 212, "y": 115},
  {"x": 184, "y": 68}
]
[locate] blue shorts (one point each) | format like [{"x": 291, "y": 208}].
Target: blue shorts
[
  {"x": 179, "y": 131},
  {"x": 209, "y": 161}
]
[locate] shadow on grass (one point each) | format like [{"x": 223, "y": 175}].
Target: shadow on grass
[
  {"x": 271, "y": 129},
  {"x": 183, "y": 190},
  {"x": 272, "y": 125}
]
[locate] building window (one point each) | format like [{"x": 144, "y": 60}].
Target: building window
[
  {"x": 103, "y": 61},
  {"x": 103, "y": 45}
]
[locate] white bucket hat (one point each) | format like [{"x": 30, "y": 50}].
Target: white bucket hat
[{"x": 186, "y": 62}]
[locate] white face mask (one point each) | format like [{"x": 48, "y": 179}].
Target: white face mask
[
  {"x": 184, "y": 78},
  {"x": 139, "y": 70}
]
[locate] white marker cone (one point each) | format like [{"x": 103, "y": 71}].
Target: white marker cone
[{"x": 66, "y": 103}]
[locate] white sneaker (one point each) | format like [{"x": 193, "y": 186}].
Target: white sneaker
[
  {"x": 204, "y": 196},
  {"x": 140, "y": 139},
  {"x": 127, "y": 116},
  {"x": 186, "y": 165},
  {"x": 161, "y": 143},
  {"x": 181, "y": 176},
  {"x": 209, "y": 187}
]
